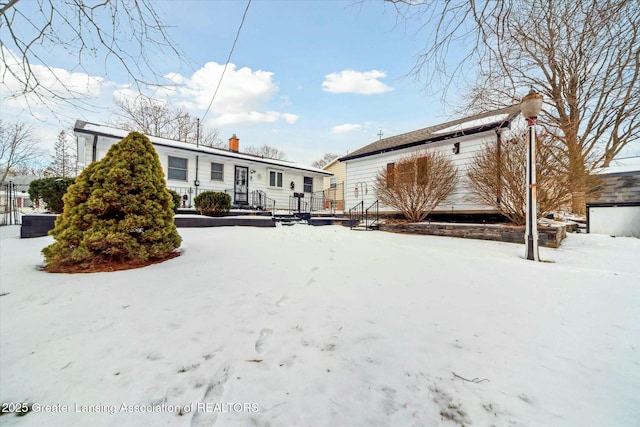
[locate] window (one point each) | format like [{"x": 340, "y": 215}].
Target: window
[
  {"x": 177, "y": 168},
  {"x": 217, "y": 172},
  {"x": 308, "y": 184},
  {"x": 333, "y": 182},
  {"x": 390, "y": 172},
  {"x": 275, "y": 179},
  {"x": 422, "y": 172}
]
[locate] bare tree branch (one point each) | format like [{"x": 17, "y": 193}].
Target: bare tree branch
[
  {"x": 416, "y": 184},
  {"x": 584, "y": 56},
  {"x": 18, "y": 147},
  {"x": 159, "y": 118},
  {"x": 124, "y": 32}
]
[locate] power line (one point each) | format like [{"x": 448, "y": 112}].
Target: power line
[{"x": 228, "y": 59}]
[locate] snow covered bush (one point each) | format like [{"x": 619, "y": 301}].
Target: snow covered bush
[
  {"x": 417, "y": 183},
  {"x": 212, "y": 203},
  {"x": 118, "y": 214}
]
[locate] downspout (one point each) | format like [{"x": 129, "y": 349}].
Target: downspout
[
  {"x": 196, "y": 182},
  {"x": 95, "y": 149},
  {"x": 499, "y": 167}
]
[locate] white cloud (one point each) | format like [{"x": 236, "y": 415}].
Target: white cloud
[
  {"x": 52, "y": 81},
  {"x": 253, "y": 117},
  {"x": 351, "y": 81},
  {"x": 346, "y": 128},
  {"x": 241, "y": 99}
]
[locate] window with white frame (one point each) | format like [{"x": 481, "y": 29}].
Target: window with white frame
[
  {"x": 308, "y": 184},
  {"x": 177, "y": 168},
  {"x": 333, "y": 182},
  {"x": 217, "y": 172},
  {"x": 275, "y": 178}
]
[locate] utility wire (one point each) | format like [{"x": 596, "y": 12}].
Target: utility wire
[{"x": 228, "y": 59}]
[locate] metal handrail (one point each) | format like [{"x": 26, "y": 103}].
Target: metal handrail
[
  {"x": 259, "y": 200},
  {"x": 356, "y": 213},
  {"x": 375, "y": 219}
]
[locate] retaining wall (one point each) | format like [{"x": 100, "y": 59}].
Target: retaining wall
[{"x": 550, "y": 237}]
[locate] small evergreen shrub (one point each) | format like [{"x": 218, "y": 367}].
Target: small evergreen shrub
[
  {"x": 118, "y": 213},
  {"x": 50, "y": 190},
  {"x": 212, "y": 203},
  {"x": 177, "y": 200}
]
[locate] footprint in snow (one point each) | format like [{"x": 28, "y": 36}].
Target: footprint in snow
[
  {"x": 212, "y": 395},
  {"x": 281, "y": 300},
  {"x": 264, "y": 340}
]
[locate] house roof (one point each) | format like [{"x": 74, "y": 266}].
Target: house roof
[
  {"x": 466, "y": 126},
  {"x": 624, "y": 165},
  {"x": 101, "y": 130}
]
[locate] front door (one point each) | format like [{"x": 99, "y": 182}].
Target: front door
[{"x": 241, "y": 189}]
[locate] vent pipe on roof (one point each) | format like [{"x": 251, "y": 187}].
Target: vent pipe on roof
[{"x": 234, "y": 143}]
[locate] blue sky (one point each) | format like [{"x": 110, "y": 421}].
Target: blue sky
[{"x": 307, "y": 77}]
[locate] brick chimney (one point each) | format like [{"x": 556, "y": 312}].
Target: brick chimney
[{"x": 234, "y": 143}]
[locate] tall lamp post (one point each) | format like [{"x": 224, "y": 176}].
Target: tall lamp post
[{"x": 530, "y": 106}]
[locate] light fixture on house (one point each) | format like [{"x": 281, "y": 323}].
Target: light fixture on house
[
  {"x": 456, "y": 148},
  {"x": 530, "y": 106}
]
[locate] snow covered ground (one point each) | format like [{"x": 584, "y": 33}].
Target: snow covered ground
[{"x": 323, "y": 326}]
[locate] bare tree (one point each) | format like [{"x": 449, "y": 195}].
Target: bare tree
[
  {"x": 584, "y": 56},
  {"x": 65, "y": 157},
  {"x": 18, "y": 147},
  {"x": 159, "y": 118},
  {"x": 325, "y": 160},
  {"x": 125, "y": 32},
  {"x": 267, "y": 151},
  {"x": 497, "y": 177},
  {"x": 416, "y": 184}
]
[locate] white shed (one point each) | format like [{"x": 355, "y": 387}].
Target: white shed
[
  {"x": 458, "y": 139},
  {"x": 615, "y": 209},
  {"x": 252, "y": 181}
]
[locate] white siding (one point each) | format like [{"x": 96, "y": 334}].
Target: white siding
[
  {"x": 361, "y": 173},
  {"x": 615, "y": 221},
  {"x": 258, "y": 180}
]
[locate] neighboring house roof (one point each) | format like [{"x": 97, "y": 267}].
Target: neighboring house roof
[
  {"x": 96, "y": 129},
  {"x": 23, "y": 180},
  {"x": 623, "y": 165},
  {"x": 331, "y": 163},
  {"x": 467, "y": 126}
]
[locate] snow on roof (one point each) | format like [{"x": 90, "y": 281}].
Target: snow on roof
[
  {"x": 467, "y": 125},
  {"x": 623, "y": 165},
  {"x": 93, "y": 128},
  {"x": 473, "y": 123}
]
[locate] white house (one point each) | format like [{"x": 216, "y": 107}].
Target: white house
[
  {"x": 252, "y": 181},
  {"x": 458, "y": 139}
]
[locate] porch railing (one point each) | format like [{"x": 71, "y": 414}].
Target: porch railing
[
  {"x": 356, "y": 215},
  {"x": 372, "y": 215},
  {"x": 259, "y": 200}
]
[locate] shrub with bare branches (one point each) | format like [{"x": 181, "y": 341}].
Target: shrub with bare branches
[
  {"x": 497, "y": 177},
  {"x": 416, "y": 184}
]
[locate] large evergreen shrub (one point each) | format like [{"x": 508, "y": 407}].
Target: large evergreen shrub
[
  {"x": 50, "y": 190},
  {"x": 118, "y": 213},
  {"x": 212, "y": 203}
]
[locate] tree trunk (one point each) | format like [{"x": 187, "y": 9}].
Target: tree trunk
[{"x": 578, "y": 180}]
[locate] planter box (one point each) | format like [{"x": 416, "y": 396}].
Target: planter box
[{"x": 37, "y": 225}]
